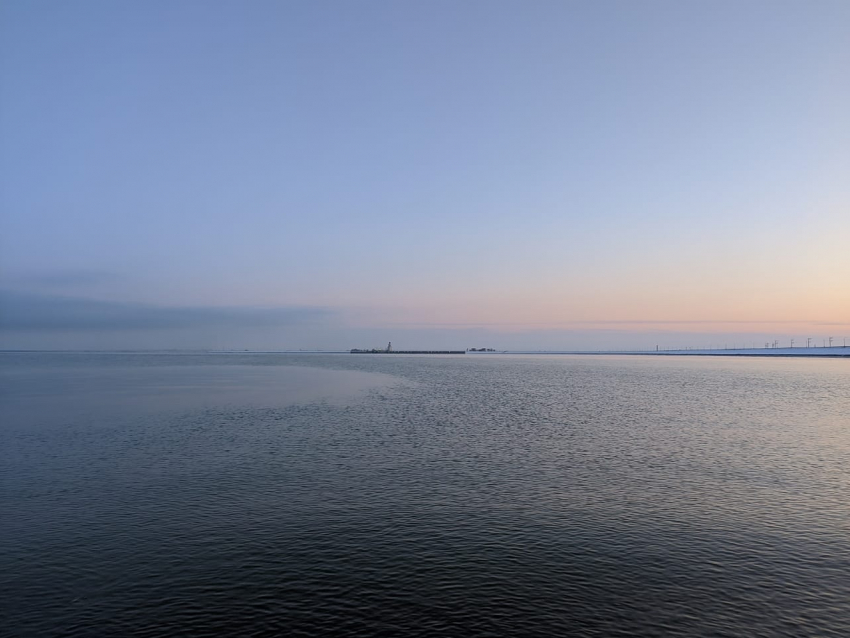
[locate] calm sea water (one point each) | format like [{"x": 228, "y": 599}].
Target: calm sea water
[{"x": 313, "y": 495}]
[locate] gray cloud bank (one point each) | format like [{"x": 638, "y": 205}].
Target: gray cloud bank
[
  {"x": 67, "y": 280},
  {"x": 26, "y": 312}
]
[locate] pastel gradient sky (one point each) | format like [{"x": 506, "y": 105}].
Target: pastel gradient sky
[{"x": 526, "y": 174}]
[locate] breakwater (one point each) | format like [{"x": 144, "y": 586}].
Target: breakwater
[{"x": 356, "y": 351}]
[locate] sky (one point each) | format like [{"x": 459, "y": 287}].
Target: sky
[{"x": 508, "y": 174}]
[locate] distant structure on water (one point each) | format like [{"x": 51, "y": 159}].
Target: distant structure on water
[{"x": 389, "y": 350}]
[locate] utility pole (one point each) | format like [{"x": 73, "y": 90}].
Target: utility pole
[
  {"x": 792, "y": 343},
  {"x": 809, "y": 342}
]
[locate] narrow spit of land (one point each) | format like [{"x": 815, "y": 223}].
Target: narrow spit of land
[{"x": 834, "y": 351}]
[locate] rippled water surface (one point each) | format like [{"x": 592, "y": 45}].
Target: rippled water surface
[{"x": 248, "y": 495}]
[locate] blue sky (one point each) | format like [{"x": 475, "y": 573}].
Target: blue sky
[{"x": 523, "y": 174}]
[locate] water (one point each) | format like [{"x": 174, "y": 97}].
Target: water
[{"x": 159, "y": 495}]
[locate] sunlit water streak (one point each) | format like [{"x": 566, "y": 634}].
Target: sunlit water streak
[{"x": 157, "y": 495}]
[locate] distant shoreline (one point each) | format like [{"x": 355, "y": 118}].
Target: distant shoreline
[{"x": 834, "y": 352}]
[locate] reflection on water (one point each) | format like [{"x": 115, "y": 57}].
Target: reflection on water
[{"x": 474, "y": 496}]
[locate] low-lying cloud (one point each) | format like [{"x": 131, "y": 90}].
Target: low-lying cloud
[{"x": 31, "y": 312}]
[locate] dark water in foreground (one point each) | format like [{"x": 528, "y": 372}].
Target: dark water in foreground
[{"x": 162, "y": 495}]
